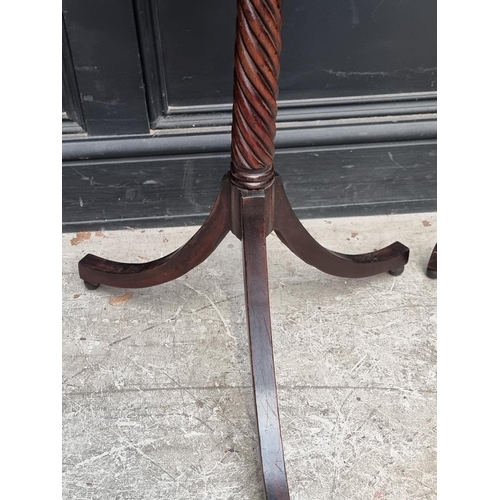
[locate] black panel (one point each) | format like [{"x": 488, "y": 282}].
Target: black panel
[
  {"x": 330, "y": 49},
  {"x": 150, "y": 43},
  {"x": 198, "y": 50},
  {"x": 104, "y": 48},
  {"x": 73, "y": 121},
  {"x": 330, "y": 181},
  {"x": 358, "y": 47}
]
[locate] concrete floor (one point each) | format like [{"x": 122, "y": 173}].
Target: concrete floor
[{"x": 157, "y": 400}]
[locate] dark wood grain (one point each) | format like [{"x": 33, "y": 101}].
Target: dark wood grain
[
  {"x": 256, "y": 71},
  {"x": 432, "y": 266},
  {"x": 293, "y": 234},
  {"x": 251, "y": 203},
  {"x": 98, "y": 271},
  {"x": 253, "y": 223}
]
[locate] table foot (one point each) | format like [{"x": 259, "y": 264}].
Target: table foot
[
  {"x": 432, "y": 267},
  {"x": 397, "y": 272},
  {"x": 90, "y": 286}
]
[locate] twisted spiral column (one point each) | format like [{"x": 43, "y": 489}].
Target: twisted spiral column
[{"x": 256, "y": 71}]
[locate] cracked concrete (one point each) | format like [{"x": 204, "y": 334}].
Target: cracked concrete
[{"x": 157, "y": 399}]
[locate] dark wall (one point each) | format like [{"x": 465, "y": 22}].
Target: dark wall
[
  {"x": 147, "y": 89},
  {"x": 330, "y": 49}
]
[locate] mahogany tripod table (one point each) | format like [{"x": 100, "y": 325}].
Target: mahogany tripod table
[{"x": 252, "y": 203}]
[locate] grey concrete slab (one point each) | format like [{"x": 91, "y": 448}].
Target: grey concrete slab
[{"x": 157, "y": 399}]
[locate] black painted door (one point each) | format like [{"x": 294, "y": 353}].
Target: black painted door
[
  {"x": 177, "y": 56},
  {"x": 153, "y": 78}
]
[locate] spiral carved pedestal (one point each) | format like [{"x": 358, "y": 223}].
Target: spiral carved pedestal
[
  {"x": 252, "y": 203},
  {"x": 256, "y": 71}
]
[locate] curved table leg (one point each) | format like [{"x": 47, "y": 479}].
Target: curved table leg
[
  {"x": 432, "y": 266},
  {"x": 97, "y": 271},
  {"x": 253, "y": 226},
  {"x": 294, "y": 235}
]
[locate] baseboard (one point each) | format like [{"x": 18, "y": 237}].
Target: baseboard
[
  {"x": 337, "y": 157},
  {"x": 140, "y": 191}
]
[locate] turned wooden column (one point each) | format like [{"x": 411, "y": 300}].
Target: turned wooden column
[
  {"x": 252, "y": 202},
  {"x": 257, "y": 67}
]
